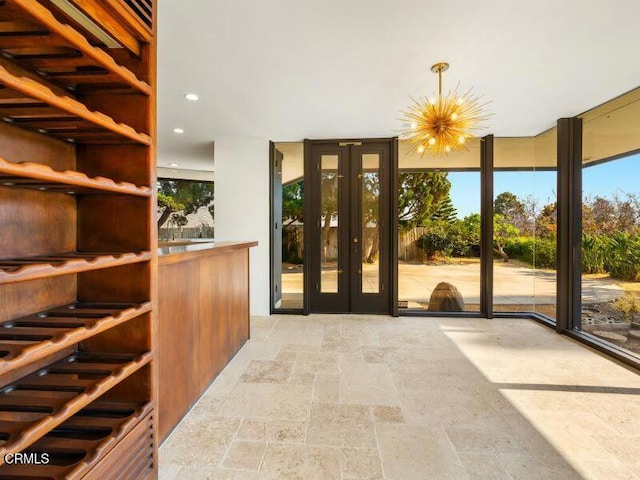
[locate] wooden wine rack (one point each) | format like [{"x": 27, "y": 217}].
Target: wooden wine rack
[
  {"x": 39, "y": 335},
  {"x": 86, "y": 437},
  {"x": 43, "y": 177},
  {"x": 32, "y": 268},
  {"x": 78, "y": 247}
]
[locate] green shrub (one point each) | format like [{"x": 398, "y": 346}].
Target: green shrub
[
  {"x": 537, "y": 252},
  {"x": 464, "y": 239},
  {"x": 459, "y": 238},
  {"x": 546, "y": 252},
  {"x": 436, "y": 241},
  {"x": 594, "y": 252},
  {"x": 521, "y": 248},
  {"x": 623, "y": 256}
]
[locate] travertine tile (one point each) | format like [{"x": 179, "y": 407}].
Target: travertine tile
[
  {"x": 621, "y": 412},
  {"x": 326, "y": 389},
  {"x": 349, "y": 358},
  {"x": 529, "y": 467},
  {"x": 286, "y": 431},
  {"x": 264, "y": 321},
  {"x": 364, "y": 373},
  {"x": 295, "y": 348},
  {"x": 298, "y": 378},
  {"x": 341, "y": 425},
  {"x": 376, "y": 354},
  {"x": 286, "y": 356},
  {"x": 259, "y": 334},
  {"x": 470, "y": 440},
  {"x": 207, "y": 407},
  {"x": 446, "y": 408},
  {"x": 414, "y": 452},
  {"x": 268, "y": 430},
  {"x": 167, "y": 471},
  {"x": 195, "y": 442},
  {"x": 273, "y": 401},
  {"x": 635, "y": 469},
  {"x": 212, "y": 473},
  {"x": 361, "y": 463},
  {"x": 317, "y": 363},
  {"x": 287, "y": 461},
  {"x": 253, "y": 351},
  {"x": 251, "y": 430},
  {"x": 387, "y": 414},
  {"x": 483, "y": 466},
  {"x": 244, "y": 455},
  {"x": 267, "y": 371},
  {"x": 603, "y": 470},
  {"x": 377, "y": 394},
  {"x": 625, "y": 448},
  {"x": 294, "y": 335},
  {"x": 335, "y": 340}
]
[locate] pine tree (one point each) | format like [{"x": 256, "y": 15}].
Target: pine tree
[{"x": 445, "y": 210}]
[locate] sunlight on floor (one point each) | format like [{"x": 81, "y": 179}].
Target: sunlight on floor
[{"x": 348, "y": 396}]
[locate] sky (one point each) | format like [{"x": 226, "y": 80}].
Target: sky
[{"x": 606, "y": 179}]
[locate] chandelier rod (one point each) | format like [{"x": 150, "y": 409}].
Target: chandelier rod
[{"x": 439, "y": 68}]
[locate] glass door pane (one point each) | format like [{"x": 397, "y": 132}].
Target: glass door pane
[
  {"x": 329, "y": 219},
  {"x": 288, "y": 255},
  {"x": 439, "y": 230},
  {"x": 370, "y": 223}
]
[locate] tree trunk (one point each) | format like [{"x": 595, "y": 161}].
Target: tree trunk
[
  {"x": 375, "y": 247},
  {"x": 326, "y": 228},
  {"x": 500, "y": 251},
  {"x": 166, "y": 213}
]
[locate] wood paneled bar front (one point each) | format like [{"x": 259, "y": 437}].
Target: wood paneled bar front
[{"x": 203, "y": 320}]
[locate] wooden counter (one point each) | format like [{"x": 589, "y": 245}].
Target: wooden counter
[{"x": 203, "y": 320}]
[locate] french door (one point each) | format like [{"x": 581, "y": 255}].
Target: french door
[{"x": 350, "y": 229}]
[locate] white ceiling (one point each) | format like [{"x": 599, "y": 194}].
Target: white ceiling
[{"x": 291, "y": 69}]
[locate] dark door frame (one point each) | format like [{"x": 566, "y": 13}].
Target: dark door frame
[
  {"x": 338, "y": 302},
  {"x": 388, "y": 270},
  {"x": 275, "y": 228}
]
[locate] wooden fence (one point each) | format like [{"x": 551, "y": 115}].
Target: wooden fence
[
  {"x": 183, "y": 233},
  {"x": 408, "y": 249},
  {"x": 292, "y": 240}
]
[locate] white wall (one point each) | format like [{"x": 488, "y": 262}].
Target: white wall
[{"x": 242, "y": 206}]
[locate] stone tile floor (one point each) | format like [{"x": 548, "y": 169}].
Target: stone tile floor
[{"x": 372, "y": 397}]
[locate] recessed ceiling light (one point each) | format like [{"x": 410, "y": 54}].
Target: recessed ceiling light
[
  {"x": 178, "y": 130},
  {"x": 173, "y": 164},
  {"x": 192, "y": 96}
]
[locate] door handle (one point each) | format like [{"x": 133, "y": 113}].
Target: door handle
[{"x": 355, "y": 239}]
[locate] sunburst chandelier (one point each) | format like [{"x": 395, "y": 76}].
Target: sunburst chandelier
[{"x": 443, "y": 124}]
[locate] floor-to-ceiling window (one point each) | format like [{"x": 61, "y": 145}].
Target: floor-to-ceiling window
[
  {"x": 439, "y": 230},
  {"x": 611, "y": 223},
  {"x": 525, "y": 224}
]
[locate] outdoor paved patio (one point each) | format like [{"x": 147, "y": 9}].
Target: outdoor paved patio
[{"x": 512, "y": 285}]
